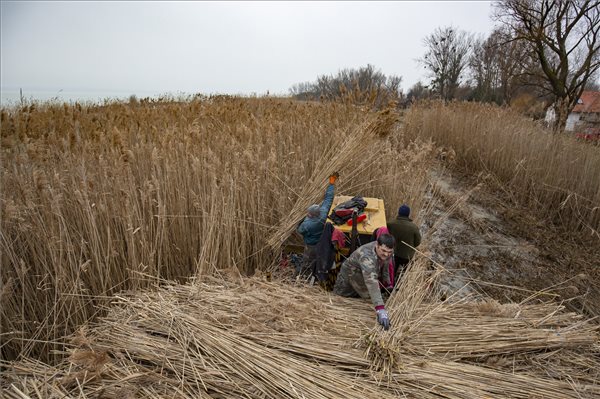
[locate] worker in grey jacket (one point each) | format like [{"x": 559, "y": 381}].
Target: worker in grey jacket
[
  {"x": 311, "y": 228},
  {"x": 362, "y": 271}
]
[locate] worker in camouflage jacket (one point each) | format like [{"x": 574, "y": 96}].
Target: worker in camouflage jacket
[{"x": 361, "y": 272}]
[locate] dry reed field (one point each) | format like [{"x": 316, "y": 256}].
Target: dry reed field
[
  {"x": 103, "y": 199},
  {"x": 130, "y": 232},
  {"x": 546, "y": 186},
  {"x": 555, "y": 176}
]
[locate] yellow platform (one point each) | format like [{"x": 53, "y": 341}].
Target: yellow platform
[{"x": 375, "y": 215}]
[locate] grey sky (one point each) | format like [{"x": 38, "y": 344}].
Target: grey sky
[{"x": 209, "y": 47}]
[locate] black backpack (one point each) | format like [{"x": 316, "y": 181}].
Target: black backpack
[{"x": 343, "y": 212}]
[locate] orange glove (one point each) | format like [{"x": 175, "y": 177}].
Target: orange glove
[{"x": 333, "y": 178}]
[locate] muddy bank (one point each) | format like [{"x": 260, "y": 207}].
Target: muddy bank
[{"x": 492, "y": 247}]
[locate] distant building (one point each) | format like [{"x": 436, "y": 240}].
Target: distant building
[{"x": 585, "y": 114}]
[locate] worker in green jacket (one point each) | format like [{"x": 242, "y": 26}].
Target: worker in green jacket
[{"x": 405, "y": 232}]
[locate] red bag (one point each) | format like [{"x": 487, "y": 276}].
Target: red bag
[
  {"x": 358, "y": 219},
  {"x": 343, "y": 213}
]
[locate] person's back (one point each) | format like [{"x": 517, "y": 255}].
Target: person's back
[
  {"x": 312, "y": 226},
  {"x": 404, "y": 230}
]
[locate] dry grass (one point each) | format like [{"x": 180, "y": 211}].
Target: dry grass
[
  {"x": 214, "y": 338},
  {"x": 555, "y": 176},
  {"x": 101, "y": 199}
]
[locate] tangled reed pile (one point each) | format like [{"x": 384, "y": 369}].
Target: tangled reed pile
[{"x": 256, "y": 339}]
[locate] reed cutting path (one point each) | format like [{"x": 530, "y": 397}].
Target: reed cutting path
[{"x": 501, "y": 251}]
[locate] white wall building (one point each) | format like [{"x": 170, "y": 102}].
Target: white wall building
[{"x": 585, "y": 114}]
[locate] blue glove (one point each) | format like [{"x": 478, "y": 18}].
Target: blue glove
[{"x": 383, "y": 319}]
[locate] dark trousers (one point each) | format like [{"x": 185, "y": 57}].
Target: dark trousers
[
  {"x": 309, "y": 259},
  {"x": 399, "y": 267}
]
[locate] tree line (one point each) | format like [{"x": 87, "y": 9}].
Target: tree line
[
  {"x": 547, "y": 50},
  {"x": 365, "y": 85}
]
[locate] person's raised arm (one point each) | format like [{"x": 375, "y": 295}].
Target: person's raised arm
[{"x": 326, "y": 204}]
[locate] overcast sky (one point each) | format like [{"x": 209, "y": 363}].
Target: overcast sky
[{"x": 216, "y": 47}]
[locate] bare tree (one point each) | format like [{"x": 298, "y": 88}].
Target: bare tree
[
  {"x": 497, "y": 66},
  {"x": 365, "y": 85},
  {"x": 485, "y": 68},
  {"x": 302, "y": 91},
  {"x": 562, "y": 37},
  {"x": 510, "y": 54},
  {"x": 417, "y": 92},
  {"x": 446, "y": 59},
  {"x": 592, "y": 85}
]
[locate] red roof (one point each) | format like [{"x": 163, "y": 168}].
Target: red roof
[{"x": 588, "y": 102}]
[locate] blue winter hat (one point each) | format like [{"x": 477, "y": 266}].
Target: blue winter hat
[{"x": 404, "y": 210}]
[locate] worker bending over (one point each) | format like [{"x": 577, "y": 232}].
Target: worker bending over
[
  {"x": 362, "y": 271},
  {"x": 311, "y": 227}
]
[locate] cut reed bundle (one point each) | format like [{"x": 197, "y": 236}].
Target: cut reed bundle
[
  {"x": 476, "y": 332},
  {"x": 252, "y": 338},
  {"x": 447, "y": 379},
  {"x": 171, "y": 337},
  {"x": 459, "y": 333}
]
